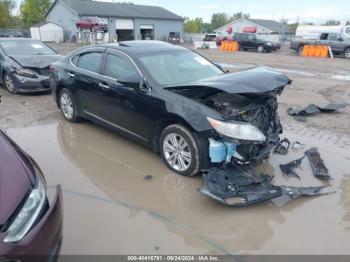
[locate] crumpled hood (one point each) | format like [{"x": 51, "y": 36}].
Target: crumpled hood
[
  {"x": 35, "y": 61},
  {"x": 15, "y": 179},
  {"x": 257, "y": 80}
]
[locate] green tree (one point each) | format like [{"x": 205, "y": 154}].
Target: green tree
[
  {"x": 207, "y": 28},
  {"x": 218, "y": 20},
  {"x": 332, "y": 22},
  {"x": 194, "y": 25},
  {"x": 33, "y": 11},
  {"x": 240, "y": 15},
  {"x": 6, "y": 7}
]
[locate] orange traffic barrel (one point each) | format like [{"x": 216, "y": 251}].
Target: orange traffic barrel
[
  {"x": 324, "y": 51},
  {"x": 318, "y": 50},
  {"x": 306, "y": 50}
]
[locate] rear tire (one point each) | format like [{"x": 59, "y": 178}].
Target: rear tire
[
  {"x": 67, "y": 105},
  {"x": 179, "y": 150},
  {"x": 9, "y": 83},
  {"x": 300, "y": 50},
  {"x": 261, "y": 48}
]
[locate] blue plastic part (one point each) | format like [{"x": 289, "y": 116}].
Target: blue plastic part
[
  {"x": 230, "y": 150},
  {"x": 221, "y": 151}
]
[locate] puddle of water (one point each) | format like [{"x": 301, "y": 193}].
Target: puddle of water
[{"x": 134, "y": 216}]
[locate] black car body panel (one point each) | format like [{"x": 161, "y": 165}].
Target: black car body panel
[
  {"x": 141, "y": 113},
  {"x": 251, "y": 42},
  {"x": 258, "y": 80},
  {"x": 39, "y": 64}
]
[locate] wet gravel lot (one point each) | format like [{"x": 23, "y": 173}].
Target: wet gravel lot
[{"x": 109, "y": 207}]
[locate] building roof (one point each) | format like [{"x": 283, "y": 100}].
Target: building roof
[
  {"x": 272, "y": 25},
  {"x": 40, "y": 24},
  {"x": 122, "y": 10}
]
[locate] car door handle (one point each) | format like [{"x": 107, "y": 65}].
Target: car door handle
[
  {"x": 103, "y": 86},
  {"x": 71, "y": 74}
]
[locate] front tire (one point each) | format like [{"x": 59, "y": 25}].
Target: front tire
[
  {"x": 9, "y": 84},
  {"x": 347, "y": 53},
  {"x": 67, "y": 105},
  {"x": 179, "y": 150}
]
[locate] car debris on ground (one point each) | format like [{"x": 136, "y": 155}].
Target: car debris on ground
[
  {"x": 300, "y": 113},
  {"x": 317, "y": 165},
  {"x": 283, "y": 147},
  {"x": 236, "y": 186}
]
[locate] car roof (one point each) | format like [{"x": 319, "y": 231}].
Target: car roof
[
  {"x": 17, "y": 39},
  {"x": 144, "y": 46}
]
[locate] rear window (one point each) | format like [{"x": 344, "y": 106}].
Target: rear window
[{"x": 90, "y": 61}]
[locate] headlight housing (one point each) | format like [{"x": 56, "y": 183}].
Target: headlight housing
[
  {"x": 237, "y": 130},
  {"x": 28, "y": 215},
  {"x": 26, "y": 73}
]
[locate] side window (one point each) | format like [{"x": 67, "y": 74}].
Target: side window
[
  {"x": 90, "y": 61},
  {"x": 117, "y": 67},
  {"x": 334, "y": 37},
  {"x": 324, "y": 36},
  {"x": 252, "y": 37},
  {"x": 75, "y": 60}
]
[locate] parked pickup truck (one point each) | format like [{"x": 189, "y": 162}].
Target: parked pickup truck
[{"x": 337, "y": 42}]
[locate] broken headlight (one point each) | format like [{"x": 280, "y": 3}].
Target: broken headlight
[
  {"x": 26, "y": 73},
  {"x": 28, "y": 214},
  {"x": 237, "y": 130}
]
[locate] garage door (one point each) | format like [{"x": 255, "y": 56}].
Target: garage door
[{"x": 124, "y": 24}]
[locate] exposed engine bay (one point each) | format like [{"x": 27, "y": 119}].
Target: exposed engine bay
[{"x": 260, "y": 111}]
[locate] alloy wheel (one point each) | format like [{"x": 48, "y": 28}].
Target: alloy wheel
[
  {"x": 260, "y": 48},
  {"x": 67, "y": 106},
  {"x": 177, "y": 152},
  {"x": 9, "y": 83}
]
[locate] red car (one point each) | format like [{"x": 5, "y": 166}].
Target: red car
[
  {"x": 30, "y": 224},
  {"x": 220, "y": 39}
]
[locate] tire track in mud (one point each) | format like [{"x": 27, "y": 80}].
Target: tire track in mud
[{"x": 342, "y": 141}]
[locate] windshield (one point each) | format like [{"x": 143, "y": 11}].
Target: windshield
[
  {"x": 26, "y": 47},
  {"x": 178, "y": 67}
]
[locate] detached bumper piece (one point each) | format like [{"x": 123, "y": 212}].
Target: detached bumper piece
[
  {"x": 317, "y": 164},
  {"x": 239, "y": 187}
]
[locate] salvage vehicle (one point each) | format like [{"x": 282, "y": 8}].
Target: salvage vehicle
[
  {"x": 252, "y": 42},
  {"x": 338, "y": 44},
  {"x": 173, "y": 100},
  {"x": 24, "y": 65},
  {"x": 30, "y": 221}
]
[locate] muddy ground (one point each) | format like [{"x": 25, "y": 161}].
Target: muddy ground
[{"x": 110, "y": 209}]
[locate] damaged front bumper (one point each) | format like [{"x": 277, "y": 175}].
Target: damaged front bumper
[
  {"x": 265, "y": 118},
  {"x": 236, "y": 186}
]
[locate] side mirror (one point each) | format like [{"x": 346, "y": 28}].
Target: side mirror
[
  {"x": 340, "y": 39},
  {"x": 132, "y": 81}
]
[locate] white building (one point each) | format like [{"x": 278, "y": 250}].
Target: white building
[
  {"x": 256, "y": 26},
  {"x": 47, "y": 32}
]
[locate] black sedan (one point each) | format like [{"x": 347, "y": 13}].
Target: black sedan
[
  {"x": 173, "y": 100},
  {"x": 24, "y": 65}
]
